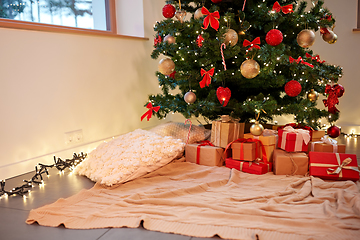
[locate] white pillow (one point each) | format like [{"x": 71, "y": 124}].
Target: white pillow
[
  {"x": 129, "y": 156},
  {"x": 181, "y": 131}
]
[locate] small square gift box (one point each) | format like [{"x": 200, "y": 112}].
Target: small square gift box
[
  {"x": 269, "y": 139},
  {"x": 334, "y": 166},
  {"x": 326, "y": 144},
  {"x": 244, "y": 151},
  {"x": 290, "y": 163},
  {"x": 294, "y": 139},
  {"x": 225, "y": 131},
  {"x": 204, "y": 153}
]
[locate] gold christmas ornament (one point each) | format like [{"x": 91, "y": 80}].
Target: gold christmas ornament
[
  {"x": 166, "y": 66},
  {"x": 198, "y": 14},
  {"x": 180, "y": 15},
  {"x": 329, "y": 36},
  {"x": 256, "y": 129},
  {"x": 306, "y": 38},
  {"x": 334, "y": 39},
  {"x": 313, "y": 96},
  {"x": 170, "y": 39},
  {"x": 231, "y": 37},
  {"x": 189, "y": 97},
  {"x": 250, "y": 68}
]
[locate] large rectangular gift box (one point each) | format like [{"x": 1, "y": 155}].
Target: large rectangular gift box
[
  {"x": 268, "y": 139},
  {"x": 249, "y": 167},
  {"x": 334, "y": 166},
  {"x": 204, "y": 154},
  {"x": 244, "y": 151},
  {"x": 324, "y": 147},
  {"x": 290, "y": 163},
  {"x": 223, "y": 133},
  {"x": 293, "y": 140}
]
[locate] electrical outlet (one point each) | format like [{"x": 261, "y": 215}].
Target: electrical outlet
[{"x": 74, "y": 137}]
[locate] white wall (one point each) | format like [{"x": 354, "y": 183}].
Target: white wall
[{"x": 52, "y": 83}]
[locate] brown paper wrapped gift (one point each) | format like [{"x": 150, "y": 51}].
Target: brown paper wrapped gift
[
  {"x": 244, "y": 151},
  {"x": 223, "y": 133},
  {"x": 324, "y": 147},
  {"x": 208, "y": 155},
  {"x": 317, "y": 135},
  {"x": 268, "y": 139},
  {"x": 290, "y": 163}
]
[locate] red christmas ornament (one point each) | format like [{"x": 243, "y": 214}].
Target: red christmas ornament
[
  {"x": 199, "y": 41},
  {"x": 293, "y": 88},
  {"x": 168, "y": 11},
  {"x": 274, "y": 37},
  {"x": 157, "y": 40},
  {"x": 223, "y": 95},
  {"x": 334, "y": 92},
  {"x": 333, "y": 131},
  {"x": 216, "y": 1}
]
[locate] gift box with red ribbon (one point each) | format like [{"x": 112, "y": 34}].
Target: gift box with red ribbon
[
  {"x": 244, "y": 151},
  {"x": 268, "y": 138},
  {"x": 259, "y": 166},
  {"x": 256, "y": 167},
  {"x": 225, "y": 131},
  {"x": 293, "y": 138},
  {"x": 334, "y": 166},
  {"x": 204, "y": 153}
]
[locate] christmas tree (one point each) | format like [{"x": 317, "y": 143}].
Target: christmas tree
[{"x": 243, "y": 58}]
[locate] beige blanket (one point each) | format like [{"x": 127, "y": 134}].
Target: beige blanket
[{"x": 201, "y": 201}]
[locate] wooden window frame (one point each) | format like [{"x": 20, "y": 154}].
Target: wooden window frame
[
  {"x": 110, "y": 23},
  {"x": 357, "y": 29}
]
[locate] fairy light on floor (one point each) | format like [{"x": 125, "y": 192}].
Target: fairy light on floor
[{"x": 41, "y": 169}]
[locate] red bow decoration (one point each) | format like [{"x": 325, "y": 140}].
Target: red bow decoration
[
  {"x": 202, "y": 143},
  {"x": 206, "y": 81},
  {"x": 211, "y": 18},
  {"x": 223, "y": 95},
  {"x": 327, "y": 17},
  {"x": 317, "y": 58},
  {"x": 199, "y": 41},
  {"x": 285, "y": 9},
  {"x": 252, "y": 44},
  {"x": 148, "y": 113},
  {"x": 300, "y": 60},
  {"x": 157, "y": 40},
  {"x": 334, "y": 92}
]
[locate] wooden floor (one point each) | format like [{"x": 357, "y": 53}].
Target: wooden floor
[{"x": 14, "y": 210}]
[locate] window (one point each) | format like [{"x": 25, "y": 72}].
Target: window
[{"x": 76, "y": 16}]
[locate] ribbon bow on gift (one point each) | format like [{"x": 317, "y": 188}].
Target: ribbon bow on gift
[
  {"x": 206, "y": 81},
  {"x": 317, "y": 58},
  {"x": 252, "y": 44},
  {"x": 303, "y": 136},
  {"x": 148, "y": 114},
  {"x": 325, "y": 139},
  {"x": 211, "y": 18},
  {"x": 268, "y": 132},
  {"x": 285, "y": 9},
  {"x": 202, "y": 143},
  {"x": 300, "y": 60},
  {"x": 341, "y": 166},
  {"x": 334, "y": 92}
]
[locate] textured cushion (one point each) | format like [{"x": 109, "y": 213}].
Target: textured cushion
[
  {"x": 129, "y": 156},
  {"x": 181, "y": 131}
]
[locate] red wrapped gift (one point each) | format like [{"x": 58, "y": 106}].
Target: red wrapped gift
[
  {"x": 334, "y": 166},
  {"x": 249, "y": 167},
  {"x": 293, "y": 139}
]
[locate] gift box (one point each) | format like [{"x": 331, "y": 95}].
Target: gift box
[
  {"x": 317, "y": 135},
  {"x": 293, "y": 140},
  {"x": 249, "y": 167},
  {"x": 244, "y": 151},
  {"x": 204, "y": 154},
  {"x": 334, "y": 166},
  {"x": 326, "y": 144},
  {"x": 290, "y": 163},
  {"x": 222, "y": 133},
  {"x": 268, "y": 139}
]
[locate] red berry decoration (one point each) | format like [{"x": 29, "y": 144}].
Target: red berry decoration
[
  {"x": 168, "y": 11},
  {"x": 293, "y": 88},
  {"x": 333, "y": 131},
  {"x": 223, "y": 95},
  {"x": 216, "y": 1},
  {"x": 274, "y": 37}
]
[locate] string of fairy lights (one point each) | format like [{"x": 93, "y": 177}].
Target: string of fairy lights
[{"x": 40, "y": 170}]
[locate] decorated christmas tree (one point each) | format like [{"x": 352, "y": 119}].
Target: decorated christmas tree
[{"x": 247, "y": 59}]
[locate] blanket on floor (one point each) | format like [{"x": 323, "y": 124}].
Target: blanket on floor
[{"x": 202, "y": 201}]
